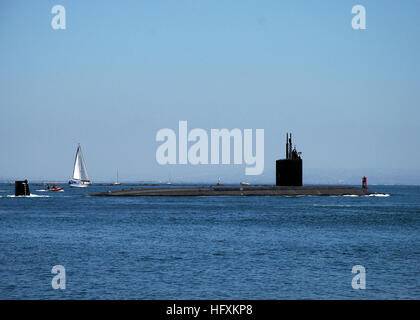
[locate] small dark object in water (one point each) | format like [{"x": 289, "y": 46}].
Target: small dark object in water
[
  {"x": 364, "y": 183},
  {"x": 22, "y": 188}
]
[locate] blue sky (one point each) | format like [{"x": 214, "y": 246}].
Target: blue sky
[{"x": 123, "y": 70}]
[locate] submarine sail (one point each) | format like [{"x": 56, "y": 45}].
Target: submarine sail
[{"x": 289, "y": 170}]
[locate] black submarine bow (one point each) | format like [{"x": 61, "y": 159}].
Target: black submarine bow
[
  {"x": 22, "y": 188},
  {"x": 289, "y": 170}
]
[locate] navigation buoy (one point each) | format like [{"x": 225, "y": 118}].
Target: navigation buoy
[{"x": 364, "y": 183}]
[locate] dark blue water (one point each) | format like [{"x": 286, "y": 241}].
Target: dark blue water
[{"x": 210, "y": 247}]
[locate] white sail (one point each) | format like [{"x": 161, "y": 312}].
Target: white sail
[{"x": 80, "y": 171}]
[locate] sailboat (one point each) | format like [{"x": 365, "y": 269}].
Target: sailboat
[
  {"x": 169, "y": 180},
  {"x": 117, "y": 183},
  {"x": 80, "y": 175}
]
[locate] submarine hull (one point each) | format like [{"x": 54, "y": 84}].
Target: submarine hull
[{"x": 239, "y": 191}]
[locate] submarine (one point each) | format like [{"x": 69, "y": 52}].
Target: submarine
[
  {"x": 22, "y": 188},
  {"x": 289, "y": 182}
]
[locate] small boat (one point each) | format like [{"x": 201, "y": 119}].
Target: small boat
[
  {"x": 80, "y": 176},
  {"x": 77, "y": 184},
  {"x": 54, "y": 188},
  {"x": 245, "y": 184}
]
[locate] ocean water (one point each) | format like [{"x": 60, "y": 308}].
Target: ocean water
[{"x": 209, "y": 247}]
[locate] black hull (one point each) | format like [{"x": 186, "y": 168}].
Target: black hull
[{"x": 239, "y": 191}]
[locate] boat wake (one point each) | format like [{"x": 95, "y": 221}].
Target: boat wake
[
  {"x": 333, "y": 205},
  {"x": 30, "y": 196},
  {"x": 382, "y": 195}
]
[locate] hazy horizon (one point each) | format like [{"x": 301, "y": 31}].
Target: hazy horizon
[{"x": 311, "y": 176}]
